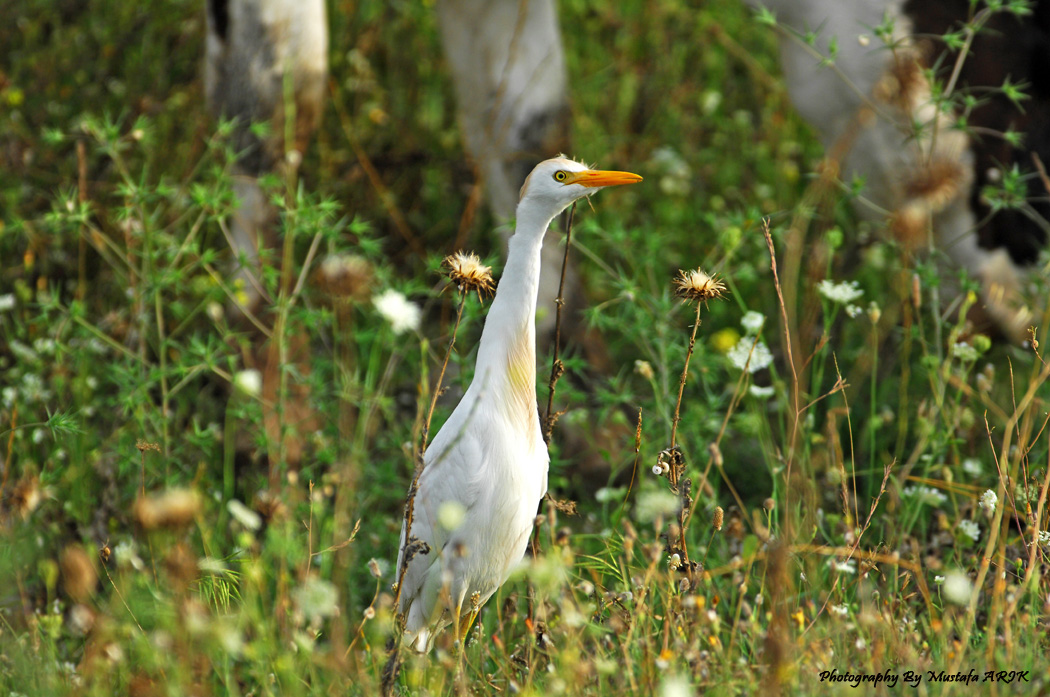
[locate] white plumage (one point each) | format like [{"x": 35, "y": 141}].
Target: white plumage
[{"x": 486, "y": 470}]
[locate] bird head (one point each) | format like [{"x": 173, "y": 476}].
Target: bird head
[{"x": 557, "y": 182}]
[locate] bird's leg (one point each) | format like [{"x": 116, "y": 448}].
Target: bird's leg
[
  {"x": 458, "y": 622},
  {"x": 465, "y": 622}
]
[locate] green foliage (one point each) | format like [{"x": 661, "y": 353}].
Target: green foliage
[{"x": 849, "y": 450}]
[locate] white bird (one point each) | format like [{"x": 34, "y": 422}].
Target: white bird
[{"x": 486, "y": 470}]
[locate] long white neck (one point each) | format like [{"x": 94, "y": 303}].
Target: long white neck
[{"x": 507, "y": 353}]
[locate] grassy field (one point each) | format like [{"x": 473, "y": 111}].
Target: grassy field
[{"x": 866, "y": 496}]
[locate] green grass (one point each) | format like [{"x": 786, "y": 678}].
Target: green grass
[{"x": 848, "y": 493}]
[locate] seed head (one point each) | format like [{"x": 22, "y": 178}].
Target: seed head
[
  {"x": 347, "y": 276},
  {"x": 466, "y": 271},
  {"x": 78, "y": 573},
  {"x": 26, "y": 496},
  {"x": 172, "y": 509},
  {"x": 697, "y": 286},
  {"x": 718, "y": 519}
]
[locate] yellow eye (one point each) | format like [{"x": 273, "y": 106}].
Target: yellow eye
[{"x": 560, "y": 175}]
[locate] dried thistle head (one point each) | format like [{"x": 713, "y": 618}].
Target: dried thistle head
[
  {"x": 904, "y": 84},
  {"x": 697, "y": 286},
  {"x": 466, "y": 271}
]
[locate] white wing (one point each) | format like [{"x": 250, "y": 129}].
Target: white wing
[{"x": 452, "y": 474}]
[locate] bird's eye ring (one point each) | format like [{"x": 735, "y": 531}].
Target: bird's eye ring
[{"x": 560, "y": 175}]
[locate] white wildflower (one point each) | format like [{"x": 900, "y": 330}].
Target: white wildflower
[
  {"x": 842, "y": 293},
  {"x": 938, "y": 580},
  {"x": 972, "y": 467},
  {"x": 316, "y": 599},
  {"x": 126, "y": 555},
  {"x": 22, "y": 351},
  {"x": 760, "y": 357},
  {"x": 1044, "y": 537},
  {"x": 676, "y": 686},
  {"x": 761, "y": 392},
  {"x": 853, "y": 310},
  {"x": 970, "y": 529},
  {"x": 45, "y": 346},
  {"x": 396, "y": 309},
  {"x": 33, "y": 389},
  {"x": 964, "y": 352},
  {"x": 651, "y": 505},
  {"x": 7, "y": 302},
  {"x": 215, "y": 311},
  {"x": 957, "y": 587},
  {"x": 840, "y": 610},
  {"x": 844, "y": 567},
  {"x": 989, "y": 500},
  {"x": 248, "y": 381},
  {"x": 925, "y": 494},
  {"x": 752, "y": 322},
  {"x": 244, "y": 515},
  {"x": 710, "y": 100},
  {"x": 8, "y": 395}
]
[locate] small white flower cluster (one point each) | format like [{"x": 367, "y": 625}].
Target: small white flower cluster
[
  {"x": 752, "y": 322},
  {"x": 398, "y": 311},
  {"x": 244, "y": 515},
  {"x": 957, "y": 587},
  {"x": 964, "y": 352},
  {"x": 33, "y": 389},
  {"x": 970, "y": 529},
  {"x": 248, "y": 382},
  {"x": 841, "y": 293},
  {"x": 7, "y": 302},
  {"x": 844, "y": 567},
  {"x": 924, "y": 494},
  {"x": 760, "y": 357},
  {"x": 761, "y": 392},
  {"x": 972, "y": 467},
  {"x": 316, "y": 599},
  {"x": 989, "y": 501},
  {"x": 1044, "y": 537}
]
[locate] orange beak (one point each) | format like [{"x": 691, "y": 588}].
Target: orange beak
[{"x": 598, "y": 177}]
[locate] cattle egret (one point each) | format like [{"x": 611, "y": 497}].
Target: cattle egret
[{"x": 486, "y": 470}]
